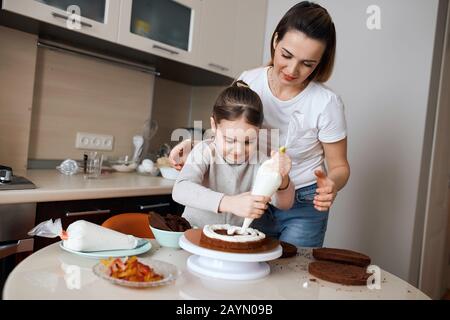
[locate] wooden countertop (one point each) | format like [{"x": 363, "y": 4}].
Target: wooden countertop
[{"x": 54, "y": 186}]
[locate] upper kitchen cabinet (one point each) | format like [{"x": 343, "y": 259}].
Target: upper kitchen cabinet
[
  {"x": 98, "y": 18},
  {"x": 249, "y": 40},
  {"x": 167, "y": 28},
  {"x": 217, "y": 36}
]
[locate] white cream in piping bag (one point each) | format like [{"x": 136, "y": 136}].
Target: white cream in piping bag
[
  {"x": 87, "y": 236},
  {"x": 268, "y": 180}
]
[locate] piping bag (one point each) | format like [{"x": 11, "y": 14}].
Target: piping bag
[
  {"x": 267, "y": 182},
  {"x": 85, "y": 236}
]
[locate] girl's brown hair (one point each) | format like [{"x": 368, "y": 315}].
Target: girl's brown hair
[
  {"x": 314, "y": 21},
  {"x": 238, "y": 101}
]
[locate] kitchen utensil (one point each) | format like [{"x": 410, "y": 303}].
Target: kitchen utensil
[
  {"x": 8, "y": 181},
  {"x": 123, "y": 164},
  {"x": 167, "y": 270},
  {"x": 143, "y": 247},
  {"x": 226, "y": 265},
  {"x": 94, "y": 165},
  {"x": 149, "y": 131},
  {"x": 167, "y": 238},
  {"x": 5, "y": 174},
  {"x": 68, "y": 167},
  {"x": 266, "y": 184},
  {"x": 138, "y": 142}
]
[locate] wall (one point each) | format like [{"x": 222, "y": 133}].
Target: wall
[
  {"x": 383, "y": 77},
  {"x": 46, "y": 97},
  {"x": 79, "y": 94},
  {"x": 180, "y": 110},
  {"x": 171, "y": 109},
  {"x": 203, "y": 99},
  {"x": 17, "y": 67}
]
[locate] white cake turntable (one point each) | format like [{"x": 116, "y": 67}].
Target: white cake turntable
[{"x": 215, "y": 263}]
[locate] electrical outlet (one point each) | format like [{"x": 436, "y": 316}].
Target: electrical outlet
[{"x": 92, "y": 141}]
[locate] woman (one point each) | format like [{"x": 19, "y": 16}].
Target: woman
[{"x": 310, "y": 119}]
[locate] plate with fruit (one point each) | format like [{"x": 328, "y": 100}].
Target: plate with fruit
[{"x": 133, "y": 272}]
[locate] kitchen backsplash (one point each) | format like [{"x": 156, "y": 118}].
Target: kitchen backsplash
[
  {"x": 48, "y": 96},
  {"x": 79, "y": 94},
  {"x": 176, "y": 105}
]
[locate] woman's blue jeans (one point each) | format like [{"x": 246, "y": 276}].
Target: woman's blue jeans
[{"x": 302, "y": 225}]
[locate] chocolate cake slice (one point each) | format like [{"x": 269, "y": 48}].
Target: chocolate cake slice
[
  {"x": 158, "y": 222},
  {"x": 168, "y": 223},
  {"x": 339, "y": 273},
  {"x": 289, "y": 250},
  {"x": 341, "y": 256}
]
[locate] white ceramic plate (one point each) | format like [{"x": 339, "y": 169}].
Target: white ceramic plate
[
  {"x": 167, "y": 270},
  {"x": 143, "y": 247}
]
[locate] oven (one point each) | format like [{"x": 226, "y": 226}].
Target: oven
[{"x": 15, "y": 244}]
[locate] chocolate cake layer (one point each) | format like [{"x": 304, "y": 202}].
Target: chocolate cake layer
[
  {"x": 339, "y": 273},
  {"x": 341, "y": 256},
  {"x": 217, "y": 243},
  {"x": 289, "y": 250}
]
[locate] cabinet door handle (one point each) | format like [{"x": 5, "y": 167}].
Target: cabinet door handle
[
  {"x": 153, "y": 206},
  {"x": 87, "y": 213},
  {"x": 155, "y": 46},
  {"x": 61, "y": 16},
  {"x": 20, "y": 246},
  {"x": 218, "y": 66}
]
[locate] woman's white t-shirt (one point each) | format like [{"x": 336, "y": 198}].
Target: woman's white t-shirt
[{"x": 315, "y": 115}]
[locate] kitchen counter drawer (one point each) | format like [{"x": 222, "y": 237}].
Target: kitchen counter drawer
[
  {"x": 99, "y": 210},
  {"x": 162, "y": 204}
]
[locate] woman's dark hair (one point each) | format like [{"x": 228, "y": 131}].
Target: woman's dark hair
[
  {"x": 237, "y": 101},
  {"x": 315, "y": 22}
]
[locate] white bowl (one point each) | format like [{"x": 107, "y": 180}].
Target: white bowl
[
  {"x": 125, "y": 167},
  {"x": 169, "y": 173},
  {"x": 167, "y": 238}
]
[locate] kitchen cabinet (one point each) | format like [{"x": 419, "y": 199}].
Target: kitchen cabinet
[
  {"x": 165, "y": 28},
  {"x": 217, "y": 36},
  {"x": 98, "y": 210},
  {"x": 249, "y": 35},
  {"x": 98, "y": 18}
]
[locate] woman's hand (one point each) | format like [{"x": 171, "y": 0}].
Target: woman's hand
[
  {"x": 284, "y": 164},
  {"x": 325, "y": 193},
  {"x": 244, "y": 205},
  {"x": 179, "y": 154}
]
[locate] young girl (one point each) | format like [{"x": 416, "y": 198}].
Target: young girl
[{"x": 214, "y": 183}]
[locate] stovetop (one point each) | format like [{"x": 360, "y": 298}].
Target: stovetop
[{"x": 17, "y": 183}]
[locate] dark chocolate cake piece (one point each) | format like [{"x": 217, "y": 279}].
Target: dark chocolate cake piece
[
  {"x": 168, "y": 223},
  {"x": 339, "y": 273},
  {"x": 289, "y": 250},
  {"x": 341, "y": 256}
]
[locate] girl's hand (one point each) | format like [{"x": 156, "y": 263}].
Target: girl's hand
[
  {"x": 282, "y": 162},
  {"x": 244, "y": 205},
  {"x": 179, "y": 154},
  {"x": 325, "y": 193}
]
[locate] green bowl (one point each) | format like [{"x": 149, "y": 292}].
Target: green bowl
[{"x": 167, "y": 238}]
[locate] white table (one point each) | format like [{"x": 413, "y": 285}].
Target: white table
[{"x": 52, "y": 273}]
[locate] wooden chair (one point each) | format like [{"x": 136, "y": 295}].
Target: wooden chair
[{"x": 135, "y": 224}]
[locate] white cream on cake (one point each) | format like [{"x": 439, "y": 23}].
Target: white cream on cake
[{"x": 234, "y": 234}]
